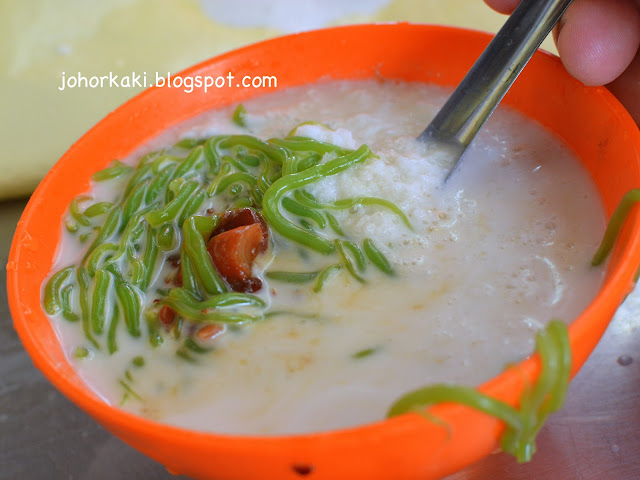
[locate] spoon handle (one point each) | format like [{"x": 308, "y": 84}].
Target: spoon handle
[{"x": 475, "y": 98}]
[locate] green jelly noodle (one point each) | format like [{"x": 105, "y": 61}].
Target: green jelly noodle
[
  {"x": 161, "y": 212},
  {"x": 537, "y": 402}
]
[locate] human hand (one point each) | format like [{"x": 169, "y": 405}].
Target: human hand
[{"x": 598, "y": 43}]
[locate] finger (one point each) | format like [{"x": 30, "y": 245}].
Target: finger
[
  {"x": 503, "y": 6},
  {"x": 627, "y": 88},
  {"x": 598, "y": 39}
]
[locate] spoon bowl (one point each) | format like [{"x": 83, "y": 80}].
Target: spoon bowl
[{"x": 589, "y": 120}]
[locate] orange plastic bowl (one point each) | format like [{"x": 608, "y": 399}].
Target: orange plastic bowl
[{"x": 589, "y": 120}]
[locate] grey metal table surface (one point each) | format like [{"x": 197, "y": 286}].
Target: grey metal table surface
[{"x": 596, "y": 436}]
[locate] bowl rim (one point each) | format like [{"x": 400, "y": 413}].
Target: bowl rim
[{"x": 581, "y": 330}]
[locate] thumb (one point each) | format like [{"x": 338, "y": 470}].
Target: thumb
[{"x": 598, "y": 39}]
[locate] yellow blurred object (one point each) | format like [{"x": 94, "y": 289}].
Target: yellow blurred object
[{"x": 42, "y": 39}]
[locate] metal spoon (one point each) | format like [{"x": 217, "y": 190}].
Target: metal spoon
[{"x": 482, "y": 88}]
